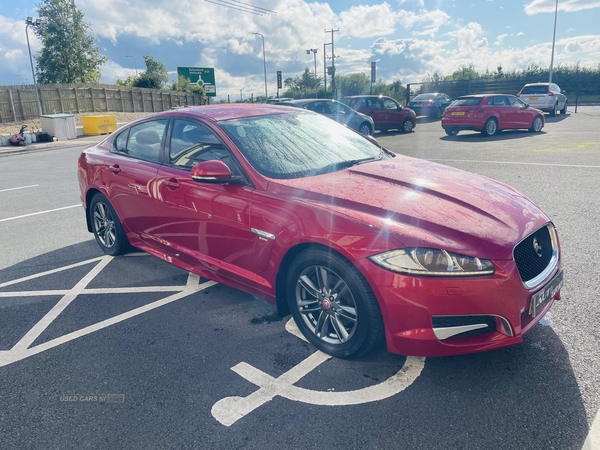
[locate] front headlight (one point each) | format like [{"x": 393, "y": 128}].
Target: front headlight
[{"x": 432, "y": 262}]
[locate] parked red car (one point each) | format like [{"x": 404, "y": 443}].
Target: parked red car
[
  {"x": 386, "y": 112},
  {"x": 359, "y": 244},
  {"x": 489, "y": 114}
]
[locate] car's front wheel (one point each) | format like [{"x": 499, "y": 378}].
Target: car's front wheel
[
  {"x": 407, "y": 126},
  {"x": 537, "y": 124},
  {"x": 365, "y": 129},
  {"x": 107, "y": 227},
  {"x": 332, "y": 304},
  {"x": 490, "y": 127}
]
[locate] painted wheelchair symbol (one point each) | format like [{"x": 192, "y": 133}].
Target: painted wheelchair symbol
[{"x": 230, "y": 409}]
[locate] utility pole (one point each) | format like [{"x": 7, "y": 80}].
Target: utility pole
[
  {"x": 333, "y": 87},
  {"x": 553, "y": 41}
]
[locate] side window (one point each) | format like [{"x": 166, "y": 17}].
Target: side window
[
  {"x": 514, "y": 101},
  {"x": 120, "y": 145},
  {"x": 192, "y": 142},
  {"x": 318, "y": 107},
  {"x": 338, "y": 108},
  {"x": 145, "y": 140},
  {"x": 388, "y": 103}
]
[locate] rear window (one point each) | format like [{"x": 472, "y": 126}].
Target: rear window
[
  {"x": 467, "y": 101},
  {"x": 539, "y": 89},
  {"x": 424, "y": 97}
]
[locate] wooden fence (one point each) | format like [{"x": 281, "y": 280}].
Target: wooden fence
[{"x": 19, "y": 103}]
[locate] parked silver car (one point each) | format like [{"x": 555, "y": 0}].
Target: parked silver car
[
  {"x": 338, "y": 112},
  {"x": 545, "y": 96}
]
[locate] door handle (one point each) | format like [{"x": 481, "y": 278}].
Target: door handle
[
  {"x": 171, "y": 183},
  {"x": 115, "y": 168}
]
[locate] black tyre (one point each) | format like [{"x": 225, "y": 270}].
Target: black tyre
[
  {"x": 564, "y": 109},
  {"x": 490, "y": 127},
  {"x": 554, "y": 110},
  {"x": 536, "y": 125},
  {"x": 439, "y": 113},
  {"x": 451, "y": 131},
  {"x": 407, "y": 126},
  {"x": 365, "y": 129},
  {"x": 333, "y": 305},
  {"x": 107, "y": 227}
]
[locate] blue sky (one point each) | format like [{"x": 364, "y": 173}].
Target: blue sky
[{"x": 407, "y": 38}]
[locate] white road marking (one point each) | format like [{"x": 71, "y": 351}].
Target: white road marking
[
  {"x": 230, "y": 409},
  {"x": 50, "y": 272},
  {"x": 40, "y": 212},
  {"x": 23, "y": 348},
  {"x": 517, "y": 163},
  {"x": 593, "y": 440},
  {"x": 17, "y": 188}
]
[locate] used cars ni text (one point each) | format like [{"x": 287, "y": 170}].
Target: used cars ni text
[
  {"x": 431, "y": 104},
  {"x": 337, "y": 111},
  {"x": 361, "y": 245},
  {"x": 387, "y": 113},
  {"x": 544, "y": 96},
  {"x": 489, "y": 114}
]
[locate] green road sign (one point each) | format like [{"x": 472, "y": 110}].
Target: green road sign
[{"x": 202, "y": 76}]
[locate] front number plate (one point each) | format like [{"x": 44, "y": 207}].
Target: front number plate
[{"x": 541, "y": 298}]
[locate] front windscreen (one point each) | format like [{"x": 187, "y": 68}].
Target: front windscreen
[{"x": 299, "y": 144}]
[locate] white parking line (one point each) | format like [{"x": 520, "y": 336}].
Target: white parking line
[
  {"x": 41, "y": 212},
  {"x": 17, "y": 188},
  {"x": 593, "y": 440},
  {"x": 578, "y": 166}
]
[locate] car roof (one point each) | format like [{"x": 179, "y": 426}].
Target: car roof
[
  {"x": 538, "y": 84},
  {"x": 366, "y": 96},
  {"x": 304, "y": 101},
  {"x": 483, "y": 95},
  {"x": 228, "y": 111}
]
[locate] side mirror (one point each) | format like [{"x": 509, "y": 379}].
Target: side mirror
[
  {"x": 213, "y": 171},
  {"x": 526, "y": 105}
]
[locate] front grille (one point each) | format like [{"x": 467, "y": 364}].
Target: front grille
[{"x": 533, "y": 254}]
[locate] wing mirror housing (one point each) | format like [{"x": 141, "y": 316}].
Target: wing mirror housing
[{"x": 213, "y": 171}]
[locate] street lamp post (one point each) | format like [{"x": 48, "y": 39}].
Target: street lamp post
[
  {"x": 134, "y": 63},
  {"x": 553, "y": 41},
  {"x": 314, "y": 51},
  {"x": 265, "y": 64},
  {"x": 33, "y": 23}
]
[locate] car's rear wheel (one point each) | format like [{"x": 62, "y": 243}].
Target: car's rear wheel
[
  {"x": 490, "y": 127},
  {"x": 451, "y": 131},
  {"x": 332, "y": 304},
  {"x": 439, "y": 113},
  {"x": 365, "y": 129},
  {"x": 407, "y": 126},
  {"x": 107, "y": 227},
  {"x": 536, "y": 125},
  {"x": 564, "y": 109},
  {"x": 554, "y": 109}
]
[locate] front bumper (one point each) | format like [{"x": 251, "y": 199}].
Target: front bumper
[{"x": 411, "y": 305}]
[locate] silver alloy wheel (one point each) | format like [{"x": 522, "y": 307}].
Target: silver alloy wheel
[
  {"x": 537, "y": 124},
  {"x": 326, "y": 304},
  {"x": 407, "y": 126},
  {"x": 491, "y": 127},
  {"x": 365, "y": 129},
  {"x": 104, "y": 225}
]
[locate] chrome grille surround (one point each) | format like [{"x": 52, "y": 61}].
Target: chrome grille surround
[{"x": 538, "y": 279}]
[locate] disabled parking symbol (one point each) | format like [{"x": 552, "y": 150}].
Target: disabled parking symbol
[{"x": 230, "y": 409}]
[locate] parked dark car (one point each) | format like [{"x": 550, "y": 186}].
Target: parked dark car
[
  {"x": 361, "y": 245},
  {"x": 337, "y": 111},
  {"x": 490, "y": 113},
  {"x": 432, "y": 104},
  {"x": 387, "y": 113}
]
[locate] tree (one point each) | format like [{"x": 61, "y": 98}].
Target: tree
[
  {"x": 185, "y": 85},
  {"x": 128, "y": 82},
  {"x": 69, "y": 53},
  {"x": 353, "y": 84},
  {"x": 155, "y": 76}
]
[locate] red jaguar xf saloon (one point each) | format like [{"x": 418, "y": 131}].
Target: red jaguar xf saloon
[{"x": 359, "y": 244}]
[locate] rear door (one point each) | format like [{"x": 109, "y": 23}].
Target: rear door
[
  {"x": 503, "y": 111},
  {"x": 522, "y": 117},
  {"x": 130, "y": 176}
]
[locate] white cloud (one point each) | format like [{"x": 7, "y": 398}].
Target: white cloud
[
  {"x": 520, "y": 33},
  {"x": 431, "y": 21},
  {"x": 368, "y": 21},
  {"x": 547, "y": 6},
  {"x": 500, "y": 38},
  {"x": 467, "y": 37}
]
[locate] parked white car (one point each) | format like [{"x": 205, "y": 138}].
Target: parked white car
[{"x": 545, "y": 96}]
